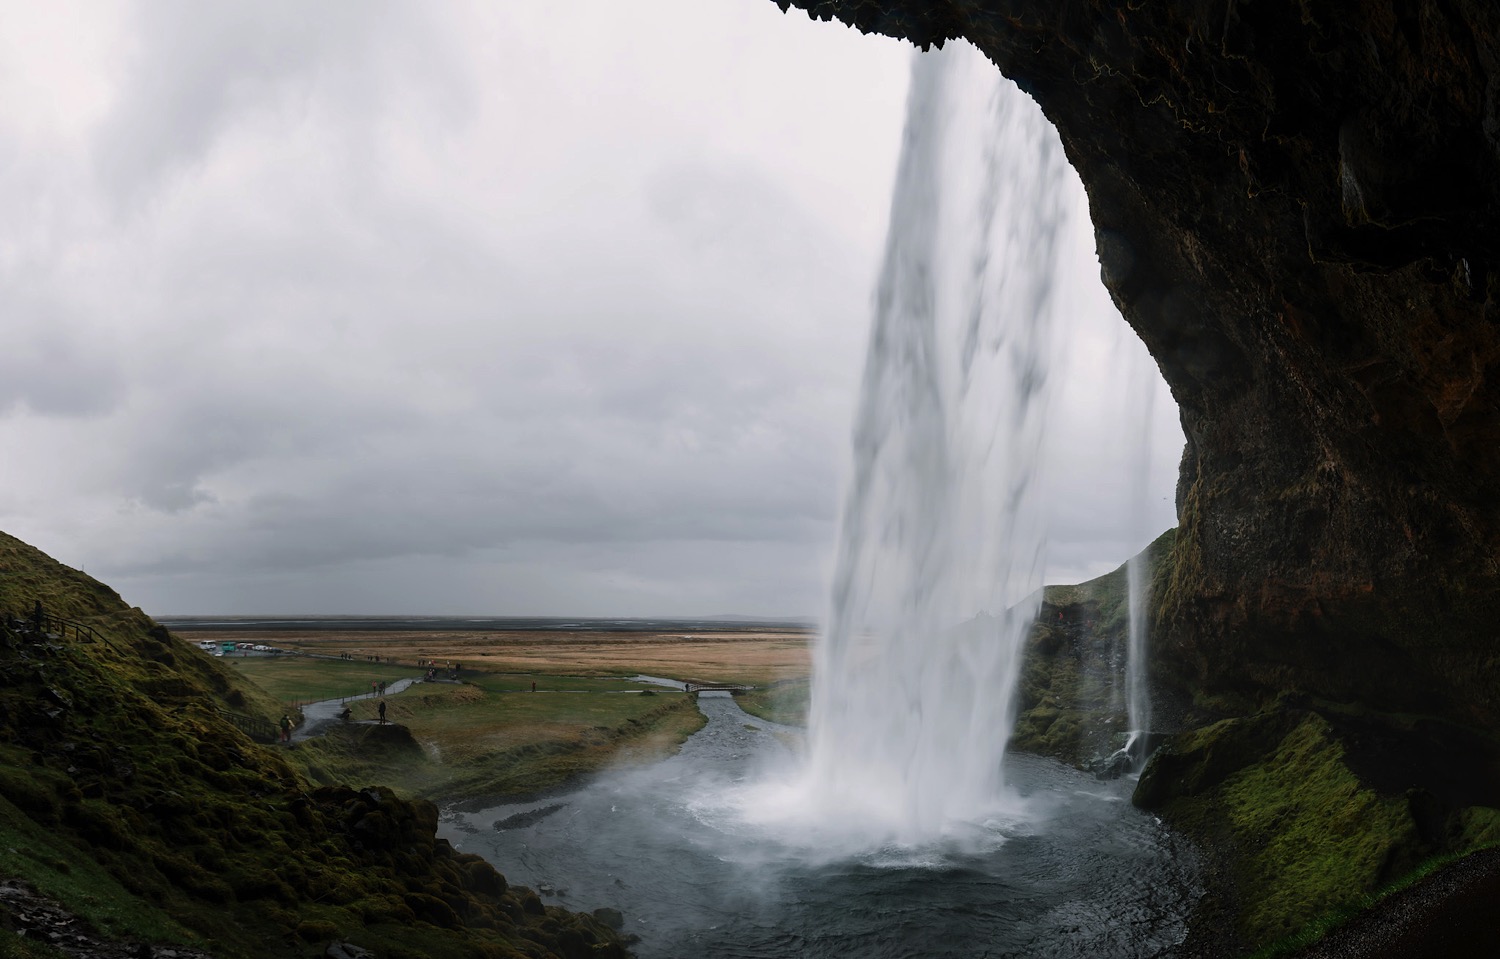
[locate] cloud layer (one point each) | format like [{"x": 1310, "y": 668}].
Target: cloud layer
[{"x": 372, "y": 307}]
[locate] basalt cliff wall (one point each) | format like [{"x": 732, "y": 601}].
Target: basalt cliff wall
[{"x": 1295, "y": 206}]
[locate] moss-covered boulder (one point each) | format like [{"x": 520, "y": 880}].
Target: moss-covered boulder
[{"x": 1309, "y": 809}]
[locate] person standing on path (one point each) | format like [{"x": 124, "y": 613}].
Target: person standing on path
[
  {"x": 381, "y": 709},
  {"x": 286, "y": 727}
]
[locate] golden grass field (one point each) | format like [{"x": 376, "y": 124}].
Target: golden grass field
[{"x": 751, "y": 656}]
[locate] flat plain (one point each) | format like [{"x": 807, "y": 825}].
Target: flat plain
[
  {"x": 754, "y": 655},
  {"x": 487, "y": 735}
]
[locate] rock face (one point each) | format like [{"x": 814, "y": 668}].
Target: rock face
[
  {"x": 1304, "y": 807},
  {"x": 1071, "y": 699},
  {"x": 1296, "y": 210}
]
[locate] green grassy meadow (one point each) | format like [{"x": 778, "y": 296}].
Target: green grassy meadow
[
  {"x": 296, "y": 680},
  {"x": 489, "y": 735},
  {"x": 785, "y": 702}
]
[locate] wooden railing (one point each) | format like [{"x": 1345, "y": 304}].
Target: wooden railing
[
  {"x": 734, "y": 689},
  {"x": 81, "y": 632},
  {"x": 48, "y": 625},
  {"x": 256, "y": 728}
]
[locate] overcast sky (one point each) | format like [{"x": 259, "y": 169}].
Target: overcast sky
[{"x": 518, "y": 308}]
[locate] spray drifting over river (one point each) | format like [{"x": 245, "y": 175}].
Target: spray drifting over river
[{"x": 939, "y": 565}]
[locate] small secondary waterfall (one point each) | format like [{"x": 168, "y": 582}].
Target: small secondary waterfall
[
  {"x": 1139, "y": 407},
  {"x": 941, "y": 556}
]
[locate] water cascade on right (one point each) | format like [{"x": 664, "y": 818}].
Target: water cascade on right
[
  {"x": 942, "y": 548},
  {"x": 1139, "y": 410}
]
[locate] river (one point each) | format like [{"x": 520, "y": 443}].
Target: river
[{"x": 1078, "y": 872}]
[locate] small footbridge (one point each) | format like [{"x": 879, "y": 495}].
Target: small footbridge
[{"x": 733, "y": 689}]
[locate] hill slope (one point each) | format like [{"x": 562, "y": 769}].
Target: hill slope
[{"x": 127, "y": 795}]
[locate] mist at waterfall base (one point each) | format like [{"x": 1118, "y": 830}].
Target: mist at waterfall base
[
  {"x": 896, "y": 825},
  {"x": 1080, "y": 874}
]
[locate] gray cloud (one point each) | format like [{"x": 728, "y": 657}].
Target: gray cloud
[{"x": 380, "y": 307}]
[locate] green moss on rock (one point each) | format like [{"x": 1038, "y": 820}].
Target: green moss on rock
[
  {"x": 1071, "y": 695},
  {"x": 1308, "y": 810}
]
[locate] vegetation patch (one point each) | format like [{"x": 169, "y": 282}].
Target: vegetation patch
[
  {"x": 299, "y": 680},
  {"x": 1070, "y": 700},
  {"x": 785, "y": 702},
  {"x": 752, "y": 655},
  {"x": 1313, "y": 810},
  {"x": 488, "y": 738}
]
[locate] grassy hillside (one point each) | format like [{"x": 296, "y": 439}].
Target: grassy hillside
[{"x": 126, "y": 795}]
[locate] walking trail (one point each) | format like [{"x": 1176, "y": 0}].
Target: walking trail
[{"x": 317, "y": 717}]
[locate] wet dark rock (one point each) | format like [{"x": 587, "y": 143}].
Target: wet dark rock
[
  {"x": 612, "y": 918},
  {"x": 529, "y": 818},
  {"x": 1129, "y": 755}
]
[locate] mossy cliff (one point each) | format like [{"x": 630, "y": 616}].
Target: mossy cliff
[
  {"x": 1308, "y": 809},
  {"x": 1305, "y": 809},
  {"x": 1071, "y": 701},
  {"x": 128, "y": 796}
]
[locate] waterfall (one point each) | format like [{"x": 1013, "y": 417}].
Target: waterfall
[{"x": 939, "y": 566}]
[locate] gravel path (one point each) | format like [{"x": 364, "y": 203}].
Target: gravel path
[
  {"x": 1452, "y": 914},
  {"x": 317, "y": 717},
  {"x": 42, "y": 920}
]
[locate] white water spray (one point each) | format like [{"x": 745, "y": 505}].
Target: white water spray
[{"x": 941, "y": 556}]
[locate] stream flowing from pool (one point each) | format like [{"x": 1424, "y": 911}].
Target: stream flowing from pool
[{"x": 674, "y": 847}]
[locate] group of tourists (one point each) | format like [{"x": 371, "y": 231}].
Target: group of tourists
[{"x": 453, "y": 668}]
